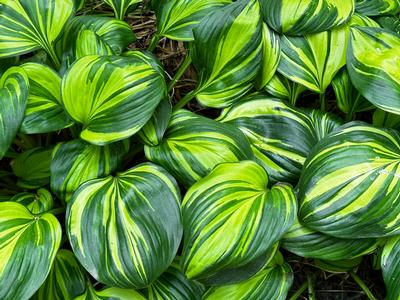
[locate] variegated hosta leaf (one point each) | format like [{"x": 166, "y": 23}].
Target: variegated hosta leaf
[
  {"x": 338, "y": 266},
  {"x": 117, "y": 95},
  {"x": 28, "y": 25},
  {"x": 66, "y": 280},
  {"x": 14, "y": 86},
  {"x": 79, "y": 4},
  {"x": 272, "y": 282},
  {"x": 390, "y": 263},
  {"x": 281, "y": 137},
  {"x": 364, "y": 21},
  {"x": 177, "y": 18},
  {"x": 193, "y": 145},
  {"x": 309, "y": 243},
  {"x": 231, "y": 219},
  {"x": 373, "y": 66},
  {"x": 300, "y": 17},
  {"x": 126, "y": 230},
  {"x": 390, "y": 23},
  {"x": 281, "y": 87},
  {"x": 90, "y": 43},
  {"x": 270, "y": 58},
  {"x": 28, "y": 245},
  {"x": 378, "y": 7},
  {"x": 32, "y": 168},
  {"x": 37, "y": 203},
  {"x": 113, "y": 293},
  {"x": 227, "y": 60},
  {"x": 76, "y": 162},
  {"x": 173, "y": 284},
  {"x": 152, "y": 133},
  {"x": 44, "y": 111},
  {"x": 348, "y": 98},
  {"x": 385, "y": 119},
  {"x": 314, "y": 59},
  {"x": 350, "y": 185},
  {"x": 121, "y": 7}
]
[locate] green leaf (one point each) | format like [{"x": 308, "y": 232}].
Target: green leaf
[
  {"x": 32, "y": 167},
  {"x": 227, "y": 60},
  {"x": 372, "y": 62},
  {"x": 173, "y": 284},
  {"x": 90, "y": 43},
  {"x": 348, "y": 98},
  {"x": 66, "y": 280},
  {"x": 309, "y": 243},
  {"x": 193, "y": 145},
  {"x": 28, "y": 25},
  {"x": 14, "y": 86},
  {"x": 270, "y": 58},
  {"x": 273, "y": 282},
  {"x": 390, "y": 22},
  {"x": 300, "y": 17},
  {"x": 152, "y": 133},
  {"x": 338, "y": 266},
  {"x": 281, "y": 87},
  {"x": 121, "y": 7},
  {"x": 76, "y": 162},
  {"x": 116, "y": 225},
  {"x": 281, "y": 137},
  {"x": 377, "y": 7},
  {"x": 28, "y": 245},
  {"x": 390, "y": 263},
  {"x": 314, "y": 59},
  {"x": 118, "y": 95},
  {"x": 385, "y": 119},
  {"x": 37, "y": 203},
  {"x": 113, "y": 293},
  {"x": 350, "y": 185},
  {"x": 79, "y": 4},
  {"x": 44, "y": 111},
  {"x": 177, "y": 18},
  {"x": 231, "y": 220}
]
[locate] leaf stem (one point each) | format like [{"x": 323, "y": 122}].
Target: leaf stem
[
  {"x": 363, "y": 286},
  {"x": 181, "y": 70},
  {"x": 311, "y": 292},
  {"x": 153, "y": 43},
  {"x": 300, "y": 291},
  {"x": 181, "y": 103},
  {"x": 57, "y": 211},
  {"x": 322, "y": 101}
]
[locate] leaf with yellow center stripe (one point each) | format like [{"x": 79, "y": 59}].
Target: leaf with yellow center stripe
[
  {"x": 111, "y": 293},
  {"x": 121, "y": 7},
  {"x": 194, "y": 144},
  {"x": 37, "y": 203},
  {"x": 66, "y": 280},
  {"x": 374, "y": 69},
  {"x": 44, "y": 111},
  {"x": 377, "y": 7},
  {"x": 300, "y": 17},
  {"x": 314, "y": 59},
  {"x": 76, "y": 162},
  {"x": 281, "y": 87},
  {"x": 231, "y": 220},
  {"x": 28, "y": 245},
  {"x": 390, "y": 263},
  {"x": 227, "y": 52},
  {"x": 272, "y": 282},
  {"x": 14, "y": 86},
  {"x": 117, "y": 95},
  {"x": 309, "y": 243},
  {"x": 281, "y": 137},
  {"x": 177, "y": 18},
  {"x": 350, "y": 184},
  {"x": 126, "y": 230}
]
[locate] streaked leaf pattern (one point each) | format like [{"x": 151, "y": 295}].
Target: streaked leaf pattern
[
  {"x": 118, "y": 95},
  {"x": 125, "y": 230},
  {"x": 386, "y": 119},
  {"x": 300, "y": 17},
  {"x": 349, "y": 186},
  {"x": 121, "y": 7},
  {"x": 338, "y": 266},
  {"x": 372, "y": 62},
  {"x": 193, "y": 145},
  {"x": 14, "y": 87},
  {"x": 231, "y": 219},
  {"x": 378, "y": 7},
  {"x": 76, "y": 162},
  {"x": 281, "y": 87},
  {"x": 390, "y": 22},
  {"x": 113, "y": 293},
  {"x": 390, "y": 263},
  {"x": 90, "y": 43},
  {"x": 226, "y": 52},
  {"x": 281, "y": 137},
  {"x": 28, "y": 245},
  {"x": 37, "y": 203},
  {"x": 44, "y": 111}
]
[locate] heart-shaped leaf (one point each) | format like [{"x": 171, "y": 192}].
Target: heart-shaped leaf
[
  {"x": 377, "y": 7},
  {"x": 37, "y": 203}
]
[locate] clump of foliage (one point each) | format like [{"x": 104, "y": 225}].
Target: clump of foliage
[{"x": 110, "y": 188}]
